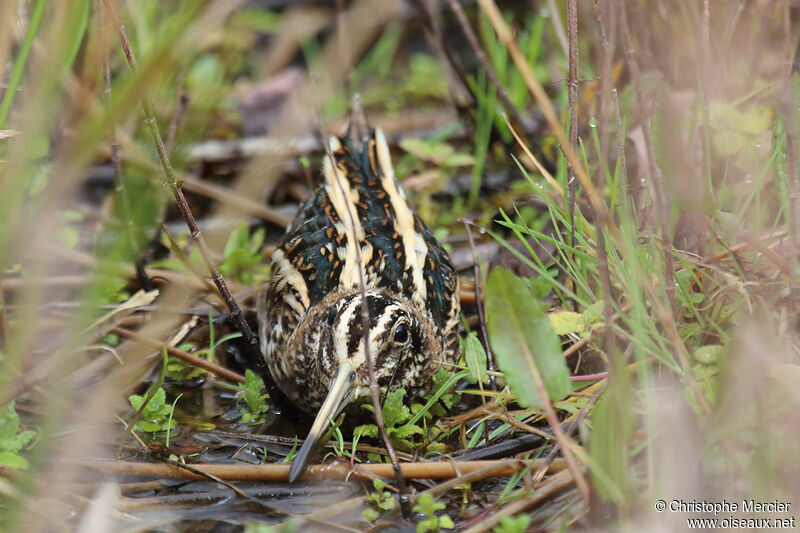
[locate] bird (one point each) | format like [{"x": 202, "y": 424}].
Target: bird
[{"x": 356, "y": 242}]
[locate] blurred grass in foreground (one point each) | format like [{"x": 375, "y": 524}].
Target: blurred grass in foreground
[{"x": 702, "y": 398}]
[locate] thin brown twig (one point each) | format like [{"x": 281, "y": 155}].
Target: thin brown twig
[
  {"x": 564, "y": 441},
  {"x": 545, "y": 173},
  {"x": 504, "y": 34},
  {"x": 545, "y": 491},
  {"x": 508, "y": 418},
  {"x": 357, "y": 114},
  {"x": 280, "y": 472},
  {"x": 472, "y": 40},
  {"x": 706, "y": 91},
  {"x": 5, "y": 330},
  {"x": 172, "y": 182},
  {"x": 460, "y": 92},
  {"x": 572, "y": 103},
  {"x": 555, "y": 16},
  {"x": 344, "y": 44},
  {"x": 602, "y": 257},
  {"x": 226, "y": 196},
  {"x": 116, "y": 163},
  {"x": 606, "y": 82},
  {"x": 476, "y": 268},
  {"x": 86, "y": 260},
  {"x": 220, "y": 371},
  {"x": 470, "y": 477},
  {"x": 662, "y": 209},
  {"x": 176, "y": 249},
  {"x": 705, "y": 37},
  {"x": 182, "y": 104}
]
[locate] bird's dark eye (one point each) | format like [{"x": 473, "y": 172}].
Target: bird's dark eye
[
  {"x": 331, "y": 316},
  {"x": 401, "y": 334}
]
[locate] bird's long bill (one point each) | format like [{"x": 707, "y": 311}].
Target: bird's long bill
[{"x": 338, "y": 397}]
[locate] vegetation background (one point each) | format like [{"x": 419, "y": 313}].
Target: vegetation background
[{"x": 627, "y": 166}]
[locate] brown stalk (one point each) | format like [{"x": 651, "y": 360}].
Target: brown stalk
[
  {"x": 4, "y": 327},
  {"x": 504, "y": 34},
  {"x": 280, "y": 472},
  {"x": 543, "y": 171},
  {"x": 476, "y": 269},
  {"x": 555, "y": 15},
  {"x": 602, "y": 256},
  {"x": 471, "y": 477},
  {"x": 705, "y": 37},
  {"x": 174, "y": 185},
  {"x": 358, "y": 115},
  {"x": 176, "y": 249},
  {"x": 220, "y": 371},
  {"x": 83, "y": 259},
  {"x": 357, "y": 112},
  {"x": 472, "y": 39},
  {"x": 456, "y": 78},
  {"x": 114, "y": 143},
  {"x": 508, "y": 418},
  {"x": 181, "y": 106},
  {"x": 662, "y": 209},
  {"x": 563, "y": 440},
  {"x": 375, "y": 395},
  {"x": 606, "y": 82},
  {"x": 572, "y": 98},
  {"x": 545, "y": 491}
]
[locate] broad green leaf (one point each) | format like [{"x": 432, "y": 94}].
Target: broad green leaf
[
  {"x": 707, "y": 354},
  {"x": 459, "y": 159},
  {"x": 367, "y": 430},
  {"x": 9, "y": 422},
  {"x": 394, "y": 412},
  {"x": 370, "y": 515},
  {"x": 446, "y": 522},
  {"x": 237, "y": 239},
  {"x": 407, "y": 430},
  {"x": 476, "y": 358},
  {"x": 11, "y": 442},
  {"x": 566, "y": 322},
  {"x": 523, "y": 340},
  {"x": 386, "y": 503},
  {"x": 428, "y": 151},
  {"x": 13, "y": 460},
  {"x": 513, "y": 524}
]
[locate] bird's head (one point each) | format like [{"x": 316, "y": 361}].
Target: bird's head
[{"x": 401, "y": 343}]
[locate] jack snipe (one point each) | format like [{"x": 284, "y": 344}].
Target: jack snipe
[{"x": 310, "y": 321}]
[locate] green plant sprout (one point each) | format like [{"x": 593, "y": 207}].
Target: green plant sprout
[
  {"x": 255, "y": 407},
  {"x": 513, "y": 524},
  {"x": 396, "y": 417},
  {"x": 379, "y": 501},
  {"x": 156, "y": 415},
  {"x": 169, "y": 420},
  {"x": 12, "y": 441},
  {"x": 428, "y": 507},
  {"x": 180, "y": 370},
  {"x": 292, "y": 453},
  {"x": 242, "y": 256}
]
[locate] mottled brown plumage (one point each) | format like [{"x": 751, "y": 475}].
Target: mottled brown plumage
[{"x": 311, "y": 326}]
